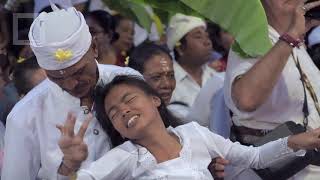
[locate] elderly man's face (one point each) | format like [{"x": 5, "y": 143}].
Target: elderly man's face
[{"x": 80, "y": 79}]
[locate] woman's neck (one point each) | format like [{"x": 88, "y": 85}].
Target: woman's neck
[{"x": 161, "y": 144}]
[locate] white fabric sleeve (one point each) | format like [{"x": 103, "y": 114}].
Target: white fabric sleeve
[
  {"x": 21, "y": 152},
  {"x": 115, "y": 164},
  {"x": 200, "y": 110},
  {"x": 247, "y": 156},
  {"x": 236, "y": 66}
]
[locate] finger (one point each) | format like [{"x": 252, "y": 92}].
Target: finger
[
  {"x": 84, "y": 126},
  {"x": 69, "y": 124},
  {"x": 222, "y": 161},
  {"x": 219, "y": 167},
  {"x": 211, "y": 165},
  {"x": 311, "y": 5},
  {"x": 65, "y": 143},
  {"x": 219, "y": 174}
]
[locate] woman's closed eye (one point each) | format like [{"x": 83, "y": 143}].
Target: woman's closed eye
[
  {"x": 131, "y": 99},
  {"x": 114, "y": 114}
]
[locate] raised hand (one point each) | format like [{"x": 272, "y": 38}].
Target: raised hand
[
  {"x": 298, "y": 24},
  {"x": 74, "y": 149}
]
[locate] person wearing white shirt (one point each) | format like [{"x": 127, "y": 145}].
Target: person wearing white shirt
[
  {"x": 188, "y": 38},
  {"x": 152, "y": 147},
  {"x": 264, "y": 92},
  {"x": 209, "y": 108},
  {"x": 68, "y": 56}
]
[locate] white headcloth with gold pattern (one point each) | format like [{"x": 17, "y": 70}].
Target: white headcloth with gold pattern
[{"x": 59, "y": 39}]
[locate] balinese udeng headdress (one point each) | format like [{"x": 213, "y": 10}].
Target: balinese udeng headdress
[{"x": 59, "y": 39}]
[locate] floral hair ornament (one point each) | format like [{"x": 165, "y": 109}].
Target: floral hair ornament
[
  {"x": 126, "y": 62},
  {"x": 178, "y": 44},
  {"x": 20, "y": 60},
  {"x": 63, "y": 55}
]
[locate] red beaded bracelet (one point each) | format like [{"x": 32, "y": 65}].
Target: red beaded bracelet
[{"x": 290, "y": 40}]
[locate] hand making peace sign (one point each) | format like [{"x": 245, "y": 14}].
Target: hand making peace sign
[{"x": 74, "y": 149}]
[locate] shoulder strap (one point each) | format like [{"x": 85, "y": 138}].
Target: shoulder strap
[{"x": 305, "y": 108}]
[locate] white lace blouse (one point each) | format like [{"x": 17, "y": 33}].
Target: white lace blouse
[{"x": 199, "y": 145}]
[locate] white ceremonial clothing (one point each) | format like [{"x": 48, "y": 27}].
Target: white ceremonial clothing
[
  {"x": 286, "y": 100},
  {"x": 200, "y": 110},
  {"x": 187, "y": 89},
  {"x": 199, "y": 145},
  {"x": 31, "y": 138}
]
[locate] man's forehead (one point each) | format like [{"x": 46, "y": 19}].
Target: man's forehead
[
  {"x": 198, "y": 30},
  {"x": 67, "y": 71}
]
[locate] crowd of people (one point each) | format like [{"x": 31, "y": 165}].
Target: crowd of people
[{"x": 90, "y": 96}]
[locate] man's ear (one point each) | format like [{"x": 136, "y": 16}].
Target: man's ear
[
  {"x": 156, "y": 101},
  {"x": 94, "y": 46},
  {"x": 179, "y": 49}
]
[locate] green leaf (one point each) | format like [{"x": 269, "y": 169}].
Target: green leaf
[
  {"x": 141, "y": 15},
  {"x": 133, "y": 9},
  {"x": 246, "y": 21}
]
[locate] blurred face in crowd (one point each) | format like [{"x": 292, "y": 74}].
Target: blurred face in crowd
[
  {"x": 105, "y": 51},
  {"x": 80, "y": 79},
  {"x": 103, "y": 38},
  {"x": 125, "y": 29},
  {"x": 227, "y": 39},
  {"x": 37, "y": 77},
  {"x": 159, "y": 74},
  {"x": 131, "y": 110},
  {"x": 197, "y": 47}
]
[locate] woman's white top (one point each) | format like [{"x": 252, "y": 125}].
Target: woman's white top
[{"x": 199, "y": 145}]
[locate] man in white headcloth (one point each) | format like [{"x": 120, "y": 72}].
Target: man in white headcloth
[{"x": 63, "y": 46}]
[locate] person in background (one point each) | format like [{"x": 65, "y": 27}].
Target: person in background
[
  {"x": 27, "y": 74},
  {"x": 125, "y": 28},
  {"x": 221, "y": 43},
  {"x": 266, "y": 91},
  {"x": 8, "y": 93},
  {"x": 188, "y": 38},
  {"x": 155, "y": 64},
  {"x": 101, "y": 26}
]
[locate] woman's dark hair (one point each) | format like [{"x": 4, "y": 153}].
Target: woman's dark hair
[
  {"x": 215, "y": 31},
  {"x": 21, "y": 75},
  {"x": 143, "y": 53},
  {"x": 106, "y": 21},
  {"x": 118, "y": 18},
  {"x": 138, "y": 82}
]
